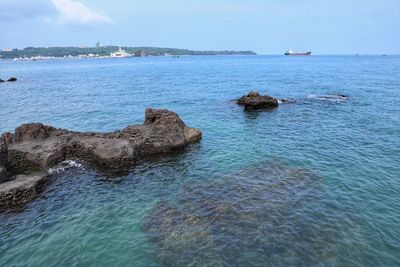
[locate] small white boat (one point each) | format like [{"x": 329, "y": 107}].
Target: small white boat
[{"x": 120, "y": 54}]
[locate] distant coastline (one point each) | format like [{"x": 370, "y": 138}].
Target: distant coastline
[{"x": 105, "y": 51}]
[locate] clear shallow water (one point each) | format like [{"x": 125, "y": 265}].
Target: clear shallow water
[{"x": 344, "y": 211}]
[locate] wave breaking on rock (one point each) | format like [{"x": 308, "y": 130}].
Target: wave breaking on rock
[{"x": 65, "y": 165}]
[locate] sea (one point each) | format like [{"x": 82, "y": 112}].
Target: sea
[{"x": 310, "y": 183}]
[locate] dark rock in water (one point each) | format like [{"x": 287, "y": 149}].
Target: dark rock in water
[
  {"x": 287, "y": 100},
  {"x": 253, "y": 94},
  {"x": 38, "y": 147},
  {"x": 44, "y": 146},
  {"x": 22, "y": 189},
  {"x": 2, "y": 81},
  {"x": 256, "y": 212},
  {"x": 3, "y": 174},
  {"x": 254, "y": 100},
  {"x": 3, "y": 152},
  {"x": 12, "y": 79}
]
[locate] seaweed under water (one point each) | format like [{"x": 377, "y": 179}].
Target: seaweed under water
[{"x": 261, "y": 215}]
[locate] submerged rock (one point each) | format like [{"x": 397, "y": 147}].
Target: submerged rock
[
  {"x": 343, "y": 95},
  {"x": 2, "y": 81},
  {"x": 35, "y": 147},
  {"x": 256, "y": 215},
  {"x": 253, "y": 100},
  {"x": 287, "y": 100},
  {"x": 183, "y": 234},
  {"x": 331, "y": 98},
  {"x": 12, "y": 79}
]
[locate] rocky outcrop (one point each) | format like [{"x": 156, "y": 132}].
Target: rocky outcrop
[
  {"x": 21, "y": 190},
  {"x": 39, "y": 146},
  {"x": 3, "y": 174},
  {"x": 254, "y": 100},
  {"x": 3, "y": 152},
  {"x": 36, "y": 147},
  {"x": 3, "y": 162},
  {"x": 12, "y": 79}
]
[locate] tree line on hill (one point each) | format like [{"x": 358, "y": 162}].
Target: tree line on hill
[{"x": 106, "y": 50}]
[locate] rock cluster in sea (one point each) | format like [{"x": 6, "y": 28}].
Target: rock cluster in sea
[
  {"x": 34, "y": 147},
  {"x": 12, "y": 79},
  {"x": 253, "y": 100},
  {"x": 258, "y": 211}
]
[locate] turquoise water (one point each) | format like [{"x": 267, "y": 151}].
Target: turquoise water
[{"x": 308, "y": 184}]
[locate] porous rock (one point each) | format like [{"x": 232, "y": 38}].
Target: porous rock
[
  {"x": 3, "y": 174},
  {"x": 22, "y": 189},
  {"x": 36, "y": 147},
  {"x": 41, "y": 146},
  {"x": 254, "y": 100}
]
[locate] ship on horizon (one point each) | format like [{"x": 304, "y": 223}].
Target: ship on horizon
[{"x": 291, "y": 53}]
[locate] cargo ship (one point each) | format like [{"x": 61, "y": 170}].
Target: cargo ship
[{"x": 291, "y": 53}]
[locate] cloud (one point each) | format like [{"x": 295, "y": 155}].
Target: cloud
[{"x": 74, "y": 12}]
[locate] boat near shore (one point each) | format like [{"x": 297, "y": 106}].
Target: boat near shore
[
  {"x": 292, "y": 53},
  {"x": 121, "y": 54}
]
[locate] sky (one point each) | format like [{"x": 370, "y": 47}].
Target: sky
[{"x": 264, "y": 26}]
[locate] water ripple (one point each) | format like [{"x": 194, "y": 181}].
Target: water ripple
[{"x": 240, "y": 189}]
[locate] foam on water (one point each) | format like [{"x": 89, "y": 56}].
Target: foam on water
[
  {"x": 333, "y": 98},
  {"x": 64, "y": 166}
]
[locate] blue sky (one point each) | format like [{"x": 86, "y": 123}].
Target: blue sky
[{"x": 264, "y": 26}]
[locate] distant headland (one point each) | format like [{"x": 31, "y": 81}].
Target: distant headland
[{"x": 35, "y": 53}]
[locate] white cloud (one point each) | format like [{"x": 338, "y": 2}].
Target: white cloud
[{"x": 74, "y": 12}]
